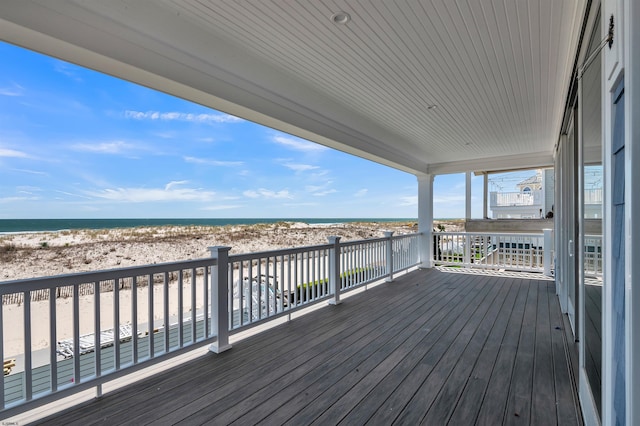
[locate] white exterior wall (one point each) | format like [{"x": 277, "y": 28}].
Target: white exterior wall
[{"x": 548, "y": 177}]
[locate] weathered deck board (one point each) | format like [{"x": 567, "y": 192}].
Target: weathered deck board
[{"x": 433, "y": 347}]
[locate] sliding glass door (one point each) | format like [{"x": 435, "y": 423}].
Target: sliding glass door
[{"x": 590, "y": 222}]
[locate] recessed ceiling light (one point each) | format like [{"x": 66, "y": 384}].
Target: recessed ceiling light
[
  {"x": 432, "y": 107},
  {"x": 341, "y": 18}
]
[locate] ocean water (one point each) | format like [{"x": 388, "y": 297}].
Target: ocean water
[{"x": 40, "y": 225}]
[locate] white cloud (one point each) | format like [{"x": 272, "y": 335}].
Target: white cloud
[
  {"x": 210, "y": 162},
  {"x": 170, "y": 185},
  {"x": 447, "y": 199},
  {"x": 323, "y": 193},
  {"x": 17, "y": 199},
  {"x": 182, "y": 116},
  {"x": 73, "y": 195},
  {"x": 320, "y": 190},
  {"x": 314, "y": 188},
  {"x": 318, "y": 175},
  {"x": 165, "y": 135},
  {"x": 411, "y": 200},
  {"x": 267, "y": 193},
  {"x": 66, "y": 69},
  {"x": 31, "y": 172},
  {"x": 301, "y": 204},
  {"x": 361, "y": 193},
  {"x": 221, "y": 207},
  {"x": 28, "y": 189},
  {"x": 140, "y": 195},
  {"x": 115, "y": 147},
  {"x": 13, "y": 90},
  {"x": 5, "y": 152},
  {"x": 298, "y": 144},
  {"x": 300, "y": 167}
]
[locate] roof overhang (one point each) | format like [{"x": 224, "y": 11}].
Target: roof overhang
[{"x": 498, "y": 74}]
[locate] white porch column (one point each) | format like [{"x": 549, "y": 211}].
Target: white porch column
[
  {"x": 485, "y": 196},
  {"x": 467, "y": 197},
  {"x": 425, "y": 219}
]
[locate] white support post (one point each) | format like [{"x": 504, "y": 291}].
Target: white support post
[
  {"x": 219, "y": 299},
  {"x": 425, "y": 220},
  {"x": 388, "y": 235},
  {"x": 467, "y": 251},
  {"x": 467, "y": 197},
  {"x": 485, "y": 196},
  {"x": 334, "y": 270},
  {"x": 547, "y": 248}
]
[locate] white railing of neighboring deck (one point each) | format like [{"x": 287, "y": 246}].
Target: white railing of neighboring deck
[
  {"x": 508, "y": 251},
  {"x": 593, "y": 255},
  {"x": 506, "y": 199},
  {"x": 144, "y": 315}
]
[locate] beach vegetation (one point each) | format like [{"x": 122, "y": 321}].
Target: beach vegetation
[
  {"x": 44, "y": 244},
  {"x": 7, "y": 248},
  {"x": 318, "y": 286}
]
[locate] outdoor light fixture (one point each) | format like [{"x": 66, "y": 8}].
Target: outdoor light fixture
[{"x": 341, "y": 18}]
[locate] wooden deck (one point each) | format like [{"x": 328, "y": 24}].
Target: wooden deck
[{"x": 432, "y": 347}]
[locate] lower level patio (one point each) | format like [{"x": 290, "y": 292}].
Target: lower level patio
[{"x": 439, "y": 346}]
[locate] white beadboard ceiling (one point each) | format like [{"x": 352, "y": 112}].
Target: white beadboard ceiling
[{"x": 498, "y": 71}]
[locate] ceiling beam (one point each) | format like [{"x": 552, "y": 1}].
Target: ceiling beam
[{"x": 495, "y": 164}]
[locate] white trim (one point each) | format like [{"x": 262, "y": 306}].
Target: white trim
[
  {"x": 561, "y": 289},
  {"x": 579, "y": 245},
  {"x": 607, "y": 232}
]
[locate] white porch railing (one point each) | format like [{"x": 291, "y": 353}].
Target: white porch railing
[
  {"x": 515, "y": 251},
  {"x": 503, "y": 199},
  {"x": 593, "y": 255},
  {"x": 102, "y": 325},
  {"x": 593, "y": 196}
]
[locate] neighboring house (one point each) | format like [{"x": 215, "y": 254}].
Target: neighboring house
[{"x": 533, "y": 200}]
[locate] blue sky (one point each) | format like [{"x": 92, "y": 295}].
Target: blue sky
[{"x": 75, "y": 143}]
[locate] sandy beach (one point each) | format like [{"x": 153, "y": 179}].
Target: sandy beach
[{"x": 30, "y": 255}]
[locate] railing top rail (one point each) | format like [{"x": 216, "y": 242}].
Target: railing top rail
[
  {"x": 491, "y": 234},
  {"x": 515, "y": 192},
  {"x": 8, "y": 287},
  {"x": 280, "y": 252},
  {"x": 357, "y": 242},
  {"x": 400, "y": 237}
]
